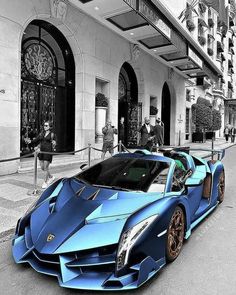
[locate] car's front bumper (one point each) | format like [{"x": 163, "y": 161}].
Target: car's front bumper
[{"x": 89, "y": 273}]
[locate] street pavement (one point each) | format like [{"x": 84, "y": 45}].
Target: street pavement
[{"x": 16, "y": 189}]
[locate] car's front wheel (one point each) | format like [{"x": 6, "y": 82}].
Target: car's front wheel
[
  {"x": 221, "y": 187},
  {"x": 175, "y": 234}
]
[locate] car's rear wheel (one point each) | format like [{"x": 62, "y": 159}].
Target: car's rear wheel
[
  {"x": 175, "y": 234},
  {"x": 221, "y": 187}
]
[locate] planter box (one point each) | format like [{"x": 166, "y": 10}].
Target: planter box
[
  {"x": 198, "y": 137},
  {"x": 209, "y": 135}
]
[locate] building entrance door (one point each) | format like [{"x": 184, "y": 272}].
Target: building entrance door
[
  {"x": 48, "y": 85},
  {"x": 128, "y": 105},
  {"x": 166, "y": 113},
  {"x": 37, "y": 106}
]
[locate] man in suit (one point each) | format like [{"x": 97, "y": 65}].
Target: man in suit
[
  {"x": 159, "y": 133},
  {"x": 121, "y": 132},
  {"x": 147, "y": 134}
]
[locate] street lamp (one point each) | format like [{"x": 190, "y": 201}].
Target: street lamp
[{"x": 212, "y": 137}]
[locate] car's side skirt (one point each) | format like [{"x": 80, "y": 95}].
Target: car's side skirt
[{"x": 195, "y": 223}]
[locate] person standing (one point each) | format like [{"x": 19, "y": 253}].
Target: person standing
[
  {"x": 108, "y": 138},
  {"x": 147, "y": 134},
  {"x": 46, "y": 141},
  {"x": 226, "y": 132},
  {"x": 233, "y": 132},
  {"x": 159, "y": 133},
  {"x": 121, "y": 132}
]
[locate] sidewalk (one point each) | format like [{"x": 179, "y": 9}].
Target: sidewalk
[{"x": 14, "y": 200}]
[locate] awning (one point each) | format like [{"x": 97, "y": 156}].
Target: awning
[{"x": 171, "y": 39}]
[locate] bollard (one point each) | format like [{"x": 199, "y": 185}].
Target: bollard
[
  {"x": 89, "y": 154},
  {"x": 120, "y": 146},
  {"x": 35, "y": 190},
  {"x": 212, "y": 147}
]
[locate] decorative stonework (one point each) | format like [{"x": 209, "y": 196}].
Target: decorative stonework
[
  {"x": 170, "y": 73},
  {"x": 135, "y": 52},
  {"x": 38, "y": 62},
  {"x": 58, "y": 9}
]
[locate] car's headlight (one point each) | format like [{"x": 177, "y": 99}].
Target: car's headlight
[{"x": 129, "y": 238}]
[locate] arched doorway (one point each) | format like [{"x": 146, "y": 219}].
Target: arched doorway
[
  {"x": 166, "y": 112},
  {"x": 47, "y": 85},
  {"x": 128, "y": 104}
]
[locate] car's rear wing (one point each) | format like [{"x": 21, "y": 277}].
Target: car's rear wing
[
  {"x": 186, "y": 149},
  {"x": 219, "y": 152}
]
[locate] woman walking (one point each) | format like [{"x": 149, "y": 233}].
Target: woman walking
[{"x": 46, "y": 141}]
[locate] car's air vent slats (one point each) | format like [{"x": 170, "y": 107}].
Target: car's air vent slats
[
  {"x": 94, "y": 195},
  {"x": 47, "y": 258},
  {"x": 79, "y": 192},
  {"x": 92, "y": 261}
]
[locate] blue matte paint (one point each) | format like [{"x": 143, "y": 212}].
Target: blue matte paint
[{"x": 83, "y": 228}]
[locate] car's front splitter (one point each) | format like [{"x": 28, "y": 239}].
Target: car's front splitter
[{"x": 72, "y": 277}]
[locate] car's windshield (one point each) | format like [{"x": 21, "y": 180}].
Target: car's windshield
[{"x": 126, "y": 173}]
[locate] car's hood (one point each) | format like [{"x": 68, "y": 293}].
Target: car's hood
[{"x": 83, "y": 217}]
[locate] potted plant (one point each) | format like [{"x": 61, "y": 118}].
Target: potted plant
[
  {"x": 202, "y": 40},
  {"x": 210, "y": 51},
  {"x": 216, "y": 124},
  {"x": 210, "y": 22},
  {"x": 101, "y": 104},
  {"x": 153, "y": 110},
  {"x": 190, "y": 25},
  {"x": 153, "y": 113},
  {"x": 201, "y": 118},
  {"x": 101, "y": 100}
]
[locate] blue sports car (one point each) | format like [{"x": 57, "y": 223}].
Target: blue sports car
[{"x": 117, "y": 223}]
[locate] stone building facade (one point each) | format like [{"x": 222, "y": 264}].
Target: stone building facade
[{"x": 99, "y": 54}]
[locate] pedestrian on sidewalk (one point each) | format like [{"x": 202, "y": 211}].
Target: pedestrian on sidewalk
[
  {"x": 227, "y": 132},
  {"x": 233, "y": 133},
  {"x": 121, "y": 133},
  {"x": 159, "y": 133},
  {"x": 108, "y": 138},
  {"x": 147, "y": 134},
  {"x": 46, "y": 142}
]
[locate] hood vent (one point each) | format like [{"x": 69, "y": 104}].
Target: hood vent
[
  {"x": 79, "y": 192},
  {"x": 93, "y": 196}
]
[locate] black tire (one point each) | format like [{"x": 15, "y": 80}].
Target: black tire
[
  {"x": 175, "y": 234},
  {"x": 221, "y": 187}
]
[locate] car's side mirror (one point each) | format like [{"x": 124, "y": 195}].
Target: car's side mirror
[
  {"x": 83, "y": 166},
  {"x": 191, "y": 181},
  {"x": 188, "y": 180}
]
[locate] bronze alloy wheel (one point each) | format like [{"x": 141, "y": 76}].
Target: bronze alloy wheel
[
  {"x": 175, "y": 234},
  {"x": 221, "y": 187}
]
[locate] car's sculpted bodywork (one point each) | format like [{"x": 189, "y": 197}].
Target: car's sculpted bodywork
[{"x": 77, "y": 231}]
